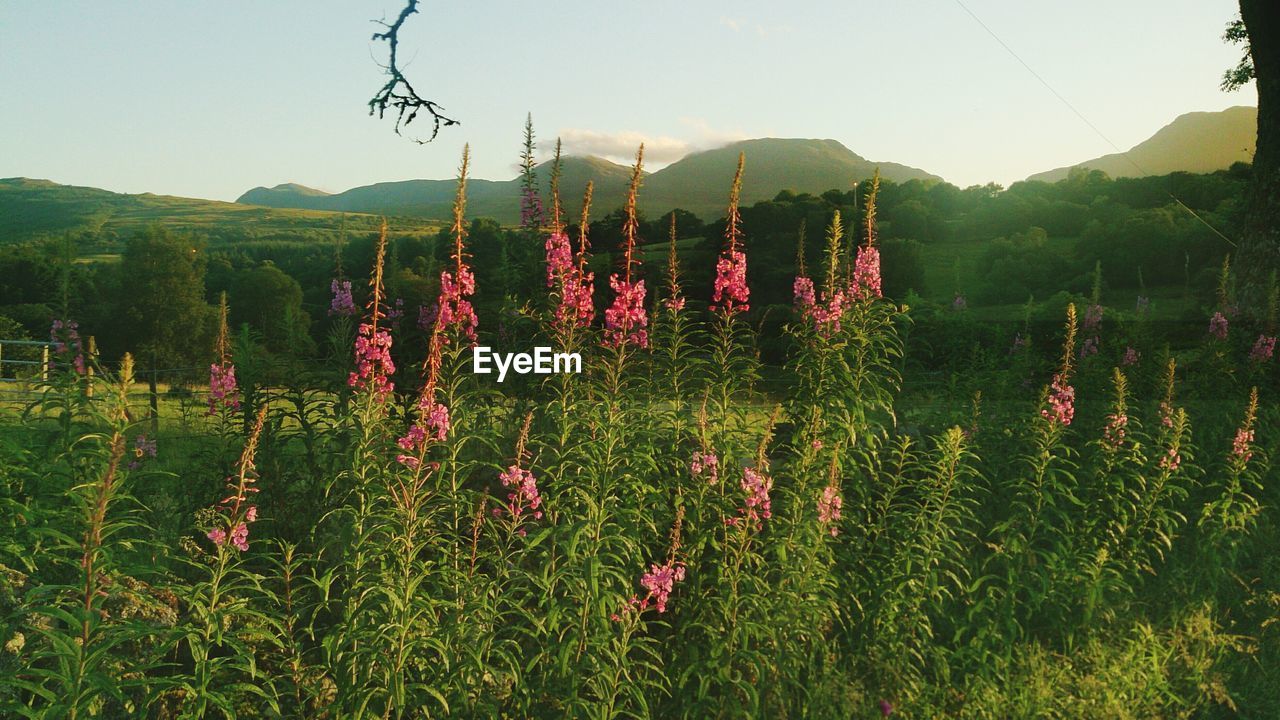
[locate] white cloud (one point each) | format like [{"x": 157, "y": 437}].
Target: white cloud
[
  {"x": 659, "y": 150},
  {"x": 734, "y": 24}
]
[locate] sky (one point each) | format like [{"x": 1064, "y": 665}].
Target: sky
[{"x": 210, "y": 99}]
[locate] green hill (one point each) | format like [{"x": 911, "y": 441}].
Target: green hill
[
  {"x": 31, "y": 209},
  {"x": 698, "y": 183},
  {"x": 1197, "y": 142}
]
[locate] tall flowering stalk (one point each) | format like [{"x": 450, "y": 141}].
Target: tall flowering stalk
[
  {"x": 625, "y": 321},
  {"x": 456, "y": 317},
  {"x": 731, "y": 292},
  {"x": 531, "y": 211},
  {"x": 866, "y": 267},
  {"x": 342, "y": 304},
  {"x": 65, "y": 336},
  {"x": 1229, "y": 516},
  {"x": 674, "y": 301},
  {"x": 373, "y": 344},
  {"x": 524, "y": 502},
  {"x": 1060, "y": 397},
  {"x": 223, "y": 391},
  {"x": 824, "y": 313},
  {"x": 431, "y": 423},
  {"x": 660, "y": 581},
  {"x": 221, "y": 654},
  {"x": 236, "y": 511}
]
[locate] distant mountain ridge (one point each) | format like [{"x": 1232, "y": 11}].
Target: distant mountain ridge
[
  {"x": 1195, "y": 142},
  {"x": 699, "y": 183}
]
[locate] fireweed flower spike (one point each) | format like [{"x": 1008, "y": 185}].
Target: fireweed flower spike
[
  {"x": 705, "y": 465},
  {"x": 454, "y": 313},
  {"x": 1218, "y": 326},
  {"x": 674, "y": 300},
  {"x": 1242, "y": 445},
  {"x": 1061, "y": 396},
  {"x": 731, "y": 291},
  {"x": 625, "y": 320},
  {"x": 523, "y": 498},
  {"x": 866, "y": 268},
  {"x": 431, "y": 424},
  {"x": 1263, "y": 349},
  {"x": 660, "y": 581},
  {"x": 223, "y": 392},
  {"x": 65, "y": 337},
  {"x": 342, "y": 304},
  {"x": 235, "y": 510},
  {"x": 830, "y": 502},
  {"x": 373, "y": 344}
]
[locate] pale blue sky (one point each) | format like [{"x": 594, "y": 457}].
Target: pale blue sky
[{"x": 209, "y": 99}]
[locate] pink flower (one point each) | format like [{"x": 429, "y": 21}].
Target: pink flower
[
  {"x": 1240, "y": 446},
  {"x": 454, "y": 311},
  {"x": 675, "y": 304},
  {"x": 1218, "y": 326},
  {"x": 625, "y": 320},
  {"x": 1114, "y": 432},
  {"x": 731, "y": 291},
  {"x": 959, "y": 303},
  {"x": 217, "y": 535},
  {"x": 373, "y": 362},
  {"x": 866, "y": 272},
  {"x": 576, "y": 305},
  {"x": 1092, "y": 318},
  {"x": 829, "y": 505},
  {"x": 1061, "y": 402},
  {"x": 1089, "y": 347},
  {"x": 240, "y": 537},
  {"x": 660, "y": 581},
  {"x": 816, "y": 445},
  {"x": 1131, "y": 356},
  {"x": 757, "y": 487},
  {"x": 1171, "y": 460},
  {"x": 802, "y": 289},
  {"x": 432, "y": 424},
  {"x": 67, "y": 345},
  {"x": 223, "y": 392},
  {"x": 523, "y": 496},
  {"x": 705, "y": 465},
  {"x": 342, "y": 304},
  {"x": 559, "y": 259},
  {"x": 1263, "y": 349}
]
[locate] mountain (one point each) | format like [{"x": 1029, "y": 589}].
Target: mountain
[
  {"x": 698, "y": 183},
  {"x": 1197, "y": 142},
  {"x": 31, "y": 209}
]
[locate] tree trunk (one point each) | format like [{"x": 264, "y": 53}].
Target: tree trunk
[{"x": 1260, "y": 245}]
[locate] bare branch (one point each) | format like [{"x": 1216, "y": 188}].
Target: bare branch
[{"x": 398, "y": 95}]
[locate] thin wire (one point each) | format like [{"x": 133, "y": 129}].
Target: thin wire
[{"x": 1084, "y": 119}]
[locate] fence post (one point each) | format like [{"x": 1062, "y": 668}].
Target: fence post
[
  {"x": 1, "y": 360},
  {"x": 44, "y": 363}
]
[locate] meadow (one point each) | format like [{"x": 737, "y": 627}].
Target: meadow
[{"x": 918, "y": 512}]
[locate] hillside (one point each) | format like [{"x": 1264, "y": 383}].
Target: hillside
[
  {"x": 1197, "y": 142},
  {"x": 698, "y": 183},
  {"x": 32, "y": 209}
]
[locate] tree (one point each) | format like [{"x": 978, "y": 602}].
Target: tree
[
  {"x": 161, "y": 306},
  {"x": 1259, "y": 27},
  {"x": 270, "y": 302}
]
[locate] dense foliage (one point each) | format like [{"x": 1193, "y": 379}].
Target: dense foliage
[{"x": 1074, "y": 519}]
